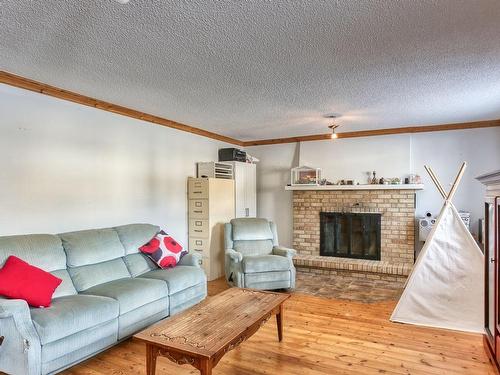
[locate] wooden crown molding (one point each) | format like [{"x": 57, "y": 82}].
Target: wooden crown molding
[
  {"x": 42, "y": 88},
  {"x": 376, "y": 132}
]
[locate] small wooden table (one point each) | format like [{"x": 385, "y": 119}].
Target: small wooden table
[{"x": 202, "y": 335}]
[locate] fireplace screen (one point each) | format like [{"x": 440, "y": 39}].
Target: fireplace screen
[{"x": 350, "y": 235}]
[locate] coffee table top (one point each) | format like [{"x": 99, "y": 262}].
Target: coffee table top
[{"x": 211, "y": 325}]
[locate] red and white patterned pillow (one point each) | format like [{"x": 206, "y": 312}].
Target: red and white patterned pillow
[{"x": 163, "y": 250}]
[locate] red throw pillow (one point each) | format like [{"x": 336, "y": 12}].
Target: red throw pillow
[
  {"x": 20, "y": 280},
  {"x": 163, "y": 250}
]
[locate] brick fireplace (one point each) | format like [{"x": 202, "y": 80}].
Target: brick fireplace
[{"x": 395, "y": 205}]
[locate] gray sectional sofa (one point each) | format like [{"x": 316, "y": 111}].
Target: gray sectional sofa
[{"x": 109, "y": 292}]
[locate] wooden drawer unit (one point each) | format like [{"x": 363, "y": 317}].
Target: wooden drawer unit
[
  {"x": 210, "y": 205},
  {"x": 200, "y": 245},
  {"x": 198, "y": 188},
  {"x": 198, "y": 228},
  {"x": 198, "y": 208}
]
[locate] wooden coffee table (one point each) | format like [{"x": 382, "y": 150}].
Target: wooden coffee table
[{"x": 202, "y": 335}]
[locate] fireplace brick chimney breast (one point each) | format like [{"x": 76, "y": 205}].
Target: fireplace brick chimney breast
[{"x": 397, "y": 208}]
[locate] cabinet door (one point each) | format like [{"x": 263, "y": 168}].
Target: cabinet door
[
  {"x": 239, "y": 189},
  {"x": 490, "y": 274},
  {"x": 251, "y": 190}
]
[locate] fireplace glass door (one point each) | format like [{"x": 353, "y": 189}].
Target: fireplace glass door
[{"x": 350, "y": 235}]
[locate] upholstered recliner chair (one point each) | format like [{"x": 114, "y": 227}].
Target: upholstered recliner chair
[{"x": 253, "y": 257}]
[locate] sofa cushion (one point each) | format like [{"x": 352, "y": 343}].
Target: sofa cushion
[
  {"x": 45, "y": 251},
  {"x": 21, "y": 280},
  {"x": 249, "y": 229},
  {"x": 133, "y": 236},
  {"x": 71, "y": 314},
  {"x": 265, "y": 263},
  {"x": 66, "y": 288},
  {"x": 138, "y": 264},
  {"x": 91, "y": 246},
  {"x": 258, "y": 247},
  {"x": 177, "y": 278},
  {"x": 86, "y": 277},
  {"x": 131, "y": 293}
]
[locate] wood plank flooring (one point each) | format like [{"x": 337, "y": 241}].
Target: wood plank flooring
[{"x": 322, "y": 336}]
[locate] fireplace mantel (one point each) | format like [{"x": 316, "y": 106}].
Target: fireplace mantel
[{"x": 357, "y": 187}]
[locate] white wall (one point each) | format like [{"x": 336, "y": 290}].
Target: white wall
[
  {"x": 273, "y": 173},
  {"x": 67, "y": 167},
  {"x": 352, "y": 158},
  {"x": 389, "y": 156}
]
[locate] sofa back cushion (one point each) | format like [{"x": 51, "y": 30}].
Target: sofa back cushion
[
  {"x": 252, "y": 236},
  {"x": 133, "y": 236},
  {"x": 250, "y": 229},
  {"x": 44, "y": 251},
  {"x": 86, "y": 277},
  {"x": 138, "y": 264},
  {"x": 94, "y": 257},
  {"x": 257, "y": 247}
]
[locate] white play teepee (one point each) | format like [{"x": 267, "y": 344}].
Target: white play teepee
[{"x": 445, "y": 287}]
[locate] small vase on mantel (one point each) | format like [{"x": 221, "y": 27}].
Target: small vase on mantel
[{"x": 374, "y": 179}]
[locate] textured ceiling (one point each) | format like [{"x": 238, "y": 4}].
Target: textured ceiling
[{"x": 265, "y": 69}]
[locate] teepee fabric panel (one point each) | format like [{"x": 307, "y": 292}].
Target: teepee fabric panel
[{"x": 445, "y": 288}]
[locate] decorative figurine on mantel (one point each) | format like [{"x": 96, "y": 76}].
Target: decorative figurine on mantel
[{"x": 374, "y": 179}]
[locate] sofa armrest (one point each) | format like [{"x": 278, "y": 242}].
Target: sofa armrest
[
  {"x": 234, "y": 255},
  {"x": 284, "y": 251},
  {"x": 191, "y": 259},
  {"x": 20, "y": 348}
]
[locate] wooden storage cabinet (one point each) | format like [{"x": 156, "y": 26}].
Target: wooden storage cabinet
[
  {"x": 210, "y": 205},
  {"x": 245, "y": 189},
  {"x": 491, "y": 267}
]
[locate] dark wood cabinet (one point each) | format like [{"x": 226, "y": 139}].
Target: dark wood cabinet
[{"x": 491, "y": 238}]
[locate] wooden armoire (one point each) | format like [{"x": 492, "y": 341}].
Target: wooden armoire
[{"x": 491, "y": 267}]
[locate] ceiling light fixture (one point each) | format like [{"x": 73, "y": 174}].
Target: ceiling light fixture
[
  {"x": 122, "y": 1},
  {"x": 333, "y": 127}
]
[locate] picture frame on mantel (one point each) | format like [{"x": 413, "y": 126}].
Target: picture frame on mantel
[{"x": 305, "y": 176}]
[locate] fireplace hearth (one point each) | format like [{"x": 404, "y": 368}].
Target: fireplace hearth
[{"x": 350, "y": 235}]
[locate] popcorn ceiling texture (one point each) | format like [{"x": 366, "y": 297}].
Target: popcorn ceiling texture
[{"x": 260, "y": 69}]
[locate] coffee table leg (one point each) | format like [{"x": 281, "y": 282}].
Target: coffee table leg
[
  {"x": 150, "y": 360},
  {"x": 279, "y": 322},
  {"x": 206, "y": 367}
]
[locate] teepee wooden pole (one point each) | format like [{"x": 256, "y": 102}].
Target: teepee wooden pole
[
  {"x": 457, "y": 181},
  {"x": 436, "y": 181}
]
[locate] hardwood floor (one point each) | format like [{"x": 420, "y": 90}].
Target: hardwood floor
[{"x": 322, "y": 336}]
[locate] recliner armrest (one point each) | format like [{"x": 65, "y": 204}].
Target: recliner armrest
[
  {"x": 234, "y": 255},
  {"x": 18, "y": 332},
  {"x": 191, "y": 259},
  {"x": 284, "y": 251}
]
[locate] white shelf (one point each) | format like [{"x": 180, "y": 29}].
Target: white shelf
[{"x": 357, "y": 187}]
